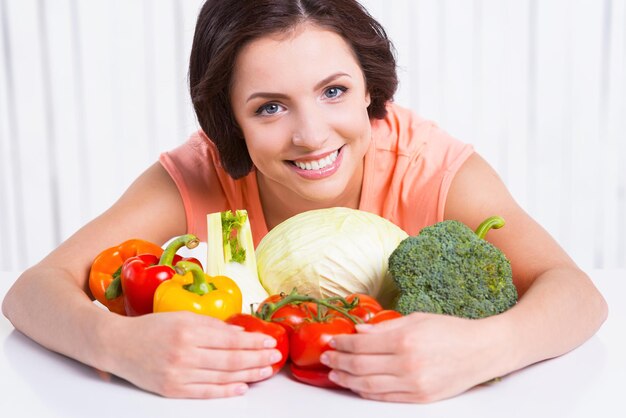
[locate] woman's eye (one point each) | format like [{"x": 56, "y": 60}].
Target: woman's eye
[
  {"x": 268, "y": 109},
  {"x": 334, "y": 92}
]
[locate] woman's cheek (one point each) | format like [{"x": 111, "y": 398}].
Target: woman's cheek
[
  {"x": 353, "y": 125},
  {"x": 264, "y": 139}
]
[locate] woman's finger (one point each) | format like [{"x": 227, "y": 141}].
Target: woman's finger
[
  {"x": 203, "y": 376},
  {"x": 199, "y": 321},
  {"x": 234, "y": 360},
  {"x": 366, "y": 343},
  {"x": 372, "y": 384},
  {"x": 206, "y": 390},
  {"x": 391, "y": 324},
  {"x": 362, "y": 364},
  {"x": 407, "y": 397},
  {"x": 224, "y": 338}
]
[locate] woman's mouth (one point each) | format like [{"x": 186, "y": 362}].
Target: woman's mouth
[
  {"x": 318, "y": 164},
  {"x": 319, "y": 168}
]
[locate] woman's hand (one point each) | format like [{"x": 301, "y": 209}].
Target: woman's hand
[
  {"x": 418, "y": 358},
  {"x": 186, "y": 355}
]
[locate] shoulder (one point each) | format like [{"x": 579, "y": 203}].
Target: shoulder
[
  {"x": 400, "y": 131},
  {"x": 195, "y": 164},
  {"x": 407, "y": 135},
  {"x": 409, "y": 168},
  {"x": 195, "y": 170},
  {"x": 204, "y": 185},
  {"x": 197, "y": 150}
]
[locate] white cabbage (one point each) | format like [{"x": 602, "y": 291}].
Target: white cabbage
[{"x": 330, "y": 252}]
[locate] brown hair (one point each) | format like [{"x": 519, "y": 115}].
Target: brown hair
[{"x": 225, "y": 26}]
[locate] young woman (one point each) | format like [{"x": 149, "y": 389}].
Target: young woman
[{"x": 294, "y": 101}]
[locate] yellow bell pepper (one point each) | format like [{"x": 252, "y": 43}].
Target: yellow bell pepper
[{"x": 190, "y": 289}]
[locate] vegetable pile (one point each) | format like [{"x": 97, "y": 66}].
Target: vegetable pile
[
  {"x": 315, "y": 275},
  {"x": 449, "y": 269}
]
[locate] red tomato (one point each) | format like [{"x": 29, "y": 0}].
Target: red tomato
[
  {"x": 362, "y": 312},
  {"x": 384, "y": 315},
  {"x": 310, "y": 340},
  {"x": 253, "y": 324},
  {"x": 365, "y": 301},
  {"x": 292, "y": 315},
  {"x": 313, "y": 376},
  {"x": 269, "y": 299},
  {"x": 365, "y": 309}
]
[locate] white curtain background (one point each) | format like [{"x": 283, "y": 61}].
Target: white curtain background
[{"x": 91, "y": 91}]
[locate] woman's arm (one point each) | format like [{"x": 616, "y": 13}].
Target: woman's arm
[
  {"x": 174, "y": 354},
  {"x": 426, "y": 357},
  {"x": 559, "y": 305}
]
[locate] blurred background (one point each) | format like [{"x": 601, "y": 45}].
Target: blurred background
[{"x": 91, "y": 91}]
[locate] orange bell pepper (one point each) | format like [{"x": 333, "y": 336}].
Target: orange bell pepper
[{"x": 106, "y": 268}]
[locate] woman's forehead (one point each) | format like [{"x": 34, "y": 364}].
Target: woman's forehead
[{"x": 307, "y": 51}]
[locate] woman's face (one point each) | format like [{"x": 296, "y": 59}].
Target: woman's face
[{"x": 301, "y": 102}]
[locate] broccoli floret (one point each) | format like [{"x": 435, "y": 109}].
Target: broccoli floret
[{"x": 450, "y": 269}]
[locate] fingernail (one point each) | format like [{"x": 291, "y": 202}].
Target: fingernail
[
  {"x": 324, "y": 359},
  {"x": 364, "y": 327},
  {"x": 275, "y": 357},
  {"x": 241, "y": 389},
  {"x": 269, "y": 343},
  {"x": 332, "y": 344},
  {"x": 332, "y": 376},
  {"x": 265, "y": 372}
]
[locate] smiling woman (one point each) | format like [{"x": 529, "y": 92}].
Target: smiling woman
[
  {"x": 318, "y": 112},
  {"x": 211, "y": 82},
  {"x": 294, "y": 100}
]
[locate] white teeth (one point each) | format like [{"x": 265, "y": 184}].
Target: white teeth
[{"x": 318, "y": 164}]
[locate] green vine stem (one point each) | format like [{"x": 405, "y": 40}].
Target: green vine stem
[{"x": 294, "y": 298}]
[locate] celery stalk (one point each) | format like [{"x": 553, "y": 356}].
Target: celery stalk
[
  {"x": 246, "y": 241},
  {"x": 215, "y": 247},
  {"x": 228, "y": 240},
  {"x": 230, "y": 252}
]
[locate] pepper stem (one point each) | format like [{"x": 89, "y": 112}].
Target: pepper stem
[
  {"x": 189, "y": 240},
  {"x": 114, "y": 289},
  {"x": 200, "y": 286},
  {"x": 494, "y": 222}
]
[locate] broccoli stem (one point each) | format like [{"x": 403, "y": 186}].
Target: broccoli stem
[{"x": 495, "y": 222}]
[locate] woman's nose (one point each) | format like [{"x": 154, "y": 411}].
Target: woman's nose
[{"x": 311, "y": 129}]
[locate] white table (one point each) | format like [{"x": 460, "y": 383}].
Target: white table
[{"x": 587, "y": 382}]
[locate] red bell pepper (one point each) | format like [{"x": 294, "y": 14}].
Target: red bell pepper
[{"x": 141, "y": 275}]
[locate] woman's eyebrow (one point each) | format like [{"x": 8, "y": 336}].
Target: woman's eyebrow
[
  {"x": 319, "y": 85},
  {"x": 329, "y": 79},
  {"x": 266, "y": 95}
]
